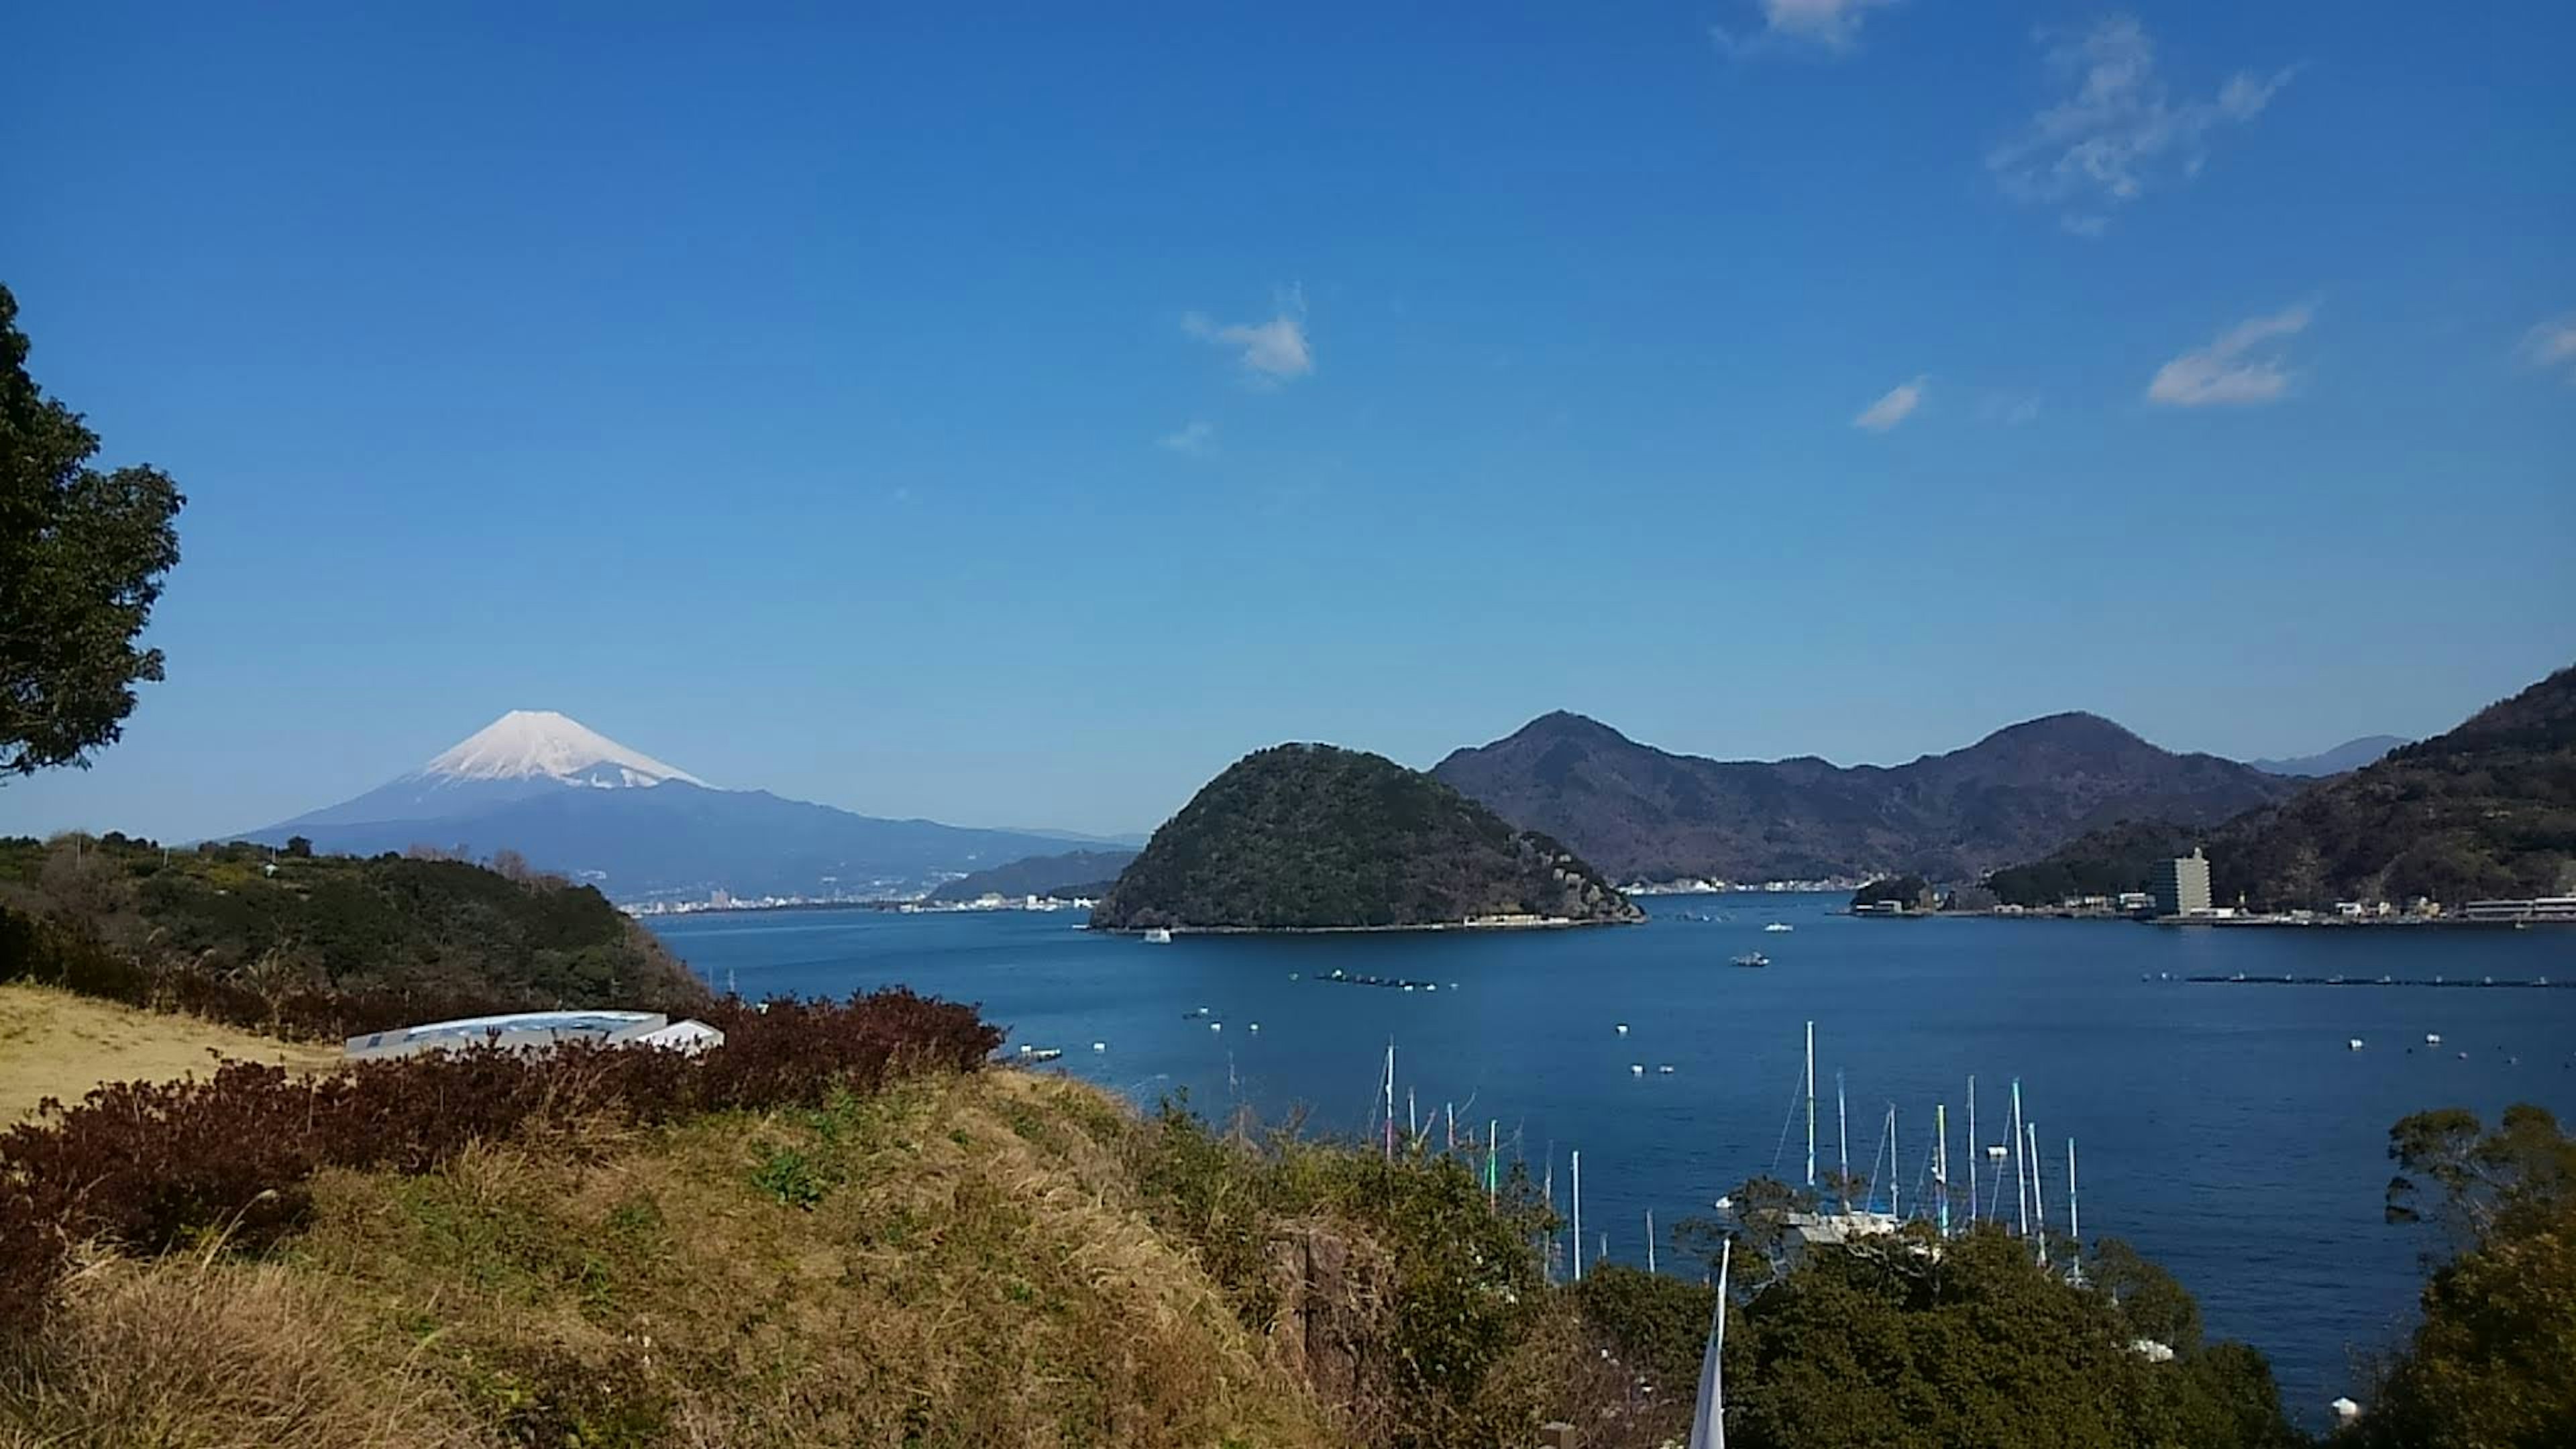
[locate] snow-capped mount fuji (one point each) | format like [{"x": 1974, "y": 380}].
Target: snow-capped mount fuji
[
  {"x": 573, "y": 800},
  {"x": 525, "y": 753},
  {"x": 532, "y": 743}
]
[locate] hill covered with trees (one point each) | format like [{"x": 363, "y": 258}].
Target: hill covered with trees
[
  {"x": 224, "y": 928},
  {"x": 1307, "y": 836},
  {"x": 2487, "y": 809}
]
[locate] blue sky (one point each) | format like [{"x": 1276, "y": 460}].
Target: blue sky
[{"x": 1011, "y": 418}]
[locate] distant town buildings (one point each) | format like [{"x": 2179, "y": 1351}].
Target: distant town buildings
[{"x": 2181, "y": 885}]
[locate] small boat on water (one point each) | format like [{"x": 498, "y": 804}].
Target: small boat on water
[
  {"x": 2432, "y": 1038},
  {"x": 1622, "y": 1028},
  {"x": 1752, "y": 958},
  {"x": 1779, "y": 926},
  {"x": 2353, "y": 1044},
  {"x": 1159, "y": 936},
  {"x": 1040, "y": 1054}
]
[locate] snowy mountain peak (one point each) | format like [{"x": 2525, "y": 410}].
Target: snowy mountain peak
[{"x": 531, "y": 744}]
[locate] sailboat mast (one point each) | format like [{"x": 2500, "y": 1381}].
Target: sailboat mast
[
  {"x": 1578, "y": 1216},
  {"x": 1493, "y": 1145},
  {"x": 1974, "y": 1151},
  {"x": 1708, "y": 1416},
  {"x": 1389, "y": 1093},
  {"x": 1842, "y": 1139},
  {"x": 1811, "y": 1104},
  {"x": 1895, "y": 1164},
  {"x": 1650, "y": 1240},
  {"x": 1941, "y": 1163},
  {"x": 2021, "y": 1180},
  {"x": 2038, "y": 1199},
  {"x": 2074, "y": 1225}
]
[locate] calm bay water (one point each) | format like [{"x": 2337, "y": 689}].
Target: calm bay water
[{"x": 2224, "y": 1129}]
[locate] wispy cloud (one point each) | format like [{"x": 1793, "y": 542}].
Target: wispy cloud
[
  {"x": 1193, "y": 439},
  {"x": 1830, "y": 24},
  {"x": 2238, "y": 369},
  {"x": 1271, "y": 352},
  {"x": 2551, "y": 347},
  {"x": 2011, "y": 409},
  {"x": 2118, "y": 131},
  {"x": 1896, "y": 407}
]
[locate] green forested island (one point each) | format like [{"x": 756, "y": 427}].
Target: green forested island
[
  {"x": 1309, "y": 837},
  {"x": 2485, "y": 810}
]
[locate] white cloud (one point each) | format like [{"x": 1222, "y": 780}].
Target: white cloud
[
  {"x": 1273, "y": 352},
  {"x": 1832, "y": 24},
  {"x": 2236, "y": 370},
  {"x": 1193, "y": 439},
  {"x": 2119, "y": 131},
  {"x": 1896, "y": 407},
  {"x": 2552, "y": 346}
]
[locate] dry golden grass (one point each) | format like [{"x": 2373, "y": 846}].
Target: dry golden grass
[
  {"x": 56, "y": 1044},
  {"x": 957, "y": 1262},
  {"x": 197, "y": 1353}
]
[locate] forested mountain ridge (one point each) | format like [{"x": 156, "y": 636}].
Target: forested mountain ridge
[
  {"x": 1645, "y": 813},
  {"x": 2486, "y": 809},
  {"x": 1309, "y": 836}
]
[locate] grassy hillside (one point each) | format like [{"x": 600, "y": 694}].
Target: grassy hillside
[
  {"x": 56, "y": 1044},
  {"x": 319, "y": 944},
  {"x": 957, "y": 1262},
  {"x": 1303, "y": 836}
]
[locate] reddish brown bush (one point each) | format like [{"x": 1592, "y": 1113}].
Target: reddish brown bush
[{"x": 144, "y": 1165}]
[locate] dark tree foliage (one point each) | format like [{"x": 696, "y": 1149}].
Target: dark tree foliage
[
  {"x": 2494, "y": 1361},
  {"x": 1305, "y": 836},
  {"x": 1886, "y": 1343},
  {"x": 81, "y": 559},
  {"x": 1912, "y": 892},
  {"x": 325, "y": 945}
]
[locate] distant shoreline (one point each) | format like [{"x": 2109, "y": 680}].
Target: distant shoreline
[
  {"x": 2278, "y": 923},
  {"x": 1552, "y": 923}
]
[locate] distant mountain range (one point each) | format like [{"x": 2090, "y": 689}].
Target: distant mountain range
[
  {"x": 572, "y": 800},
  {"x": 2486, "y": 809},
  {"x": 2350, "y": 755},
  {"x": 1074, "y": 874},
  {"x": 1644, "y": 813}
]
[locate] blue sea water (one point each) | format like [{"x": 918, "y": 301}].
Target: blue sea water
[{"x": 2226, "y": 1130}]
